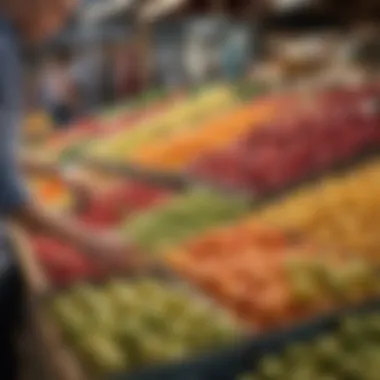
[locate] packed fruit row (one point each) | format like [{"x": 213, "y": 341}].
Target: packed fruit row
[
  {"x": 268, "y": 280},
  {"x": 126, "y": 134},
  {"x": 283, "y": 153},
  {"x": 182, "y": 115},
  {"x": 112, "y": 327},
  {"x": 260, "y": 146},
  {"x": 107, "y": 131},
  {"x": 351, "y": 351},
  {"x": 340, "y": 211},
  {"x": 64, "y": 145}
]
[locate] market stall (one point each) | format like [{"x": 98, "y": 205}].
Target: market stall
[{"x": 274, "y": 276}]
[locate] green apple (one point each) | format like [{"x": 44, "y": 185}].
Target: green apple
[
  {"x": 103, "y": 354},
  {"x": 72, "y": 319},
  {"x": 271, "y": 368},
  {"x": 304, "y": 288}
]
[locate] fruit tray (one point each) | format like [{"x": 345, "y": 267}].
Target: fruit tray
[
  {"x": 183, "y": 181},
  {"x": 268, "y": 159},
  {"x": 230, "y": 363},
  {"x": 335, "y": 170},
  {"x": 220, "y": 330},
  {"x": 222, "y": 364},
  {"x": 169, "y": 180},
  {"x": 317, "y": 330}
]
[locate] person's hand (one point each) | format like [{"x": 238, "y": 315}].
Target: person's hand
[{"x": 114, "y": 252}]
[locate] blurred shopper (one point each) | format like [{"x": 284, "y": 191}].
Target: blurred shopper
[
  {"x": 234, "y": 57},
  {"x": 366, "y": 48},
  {"x": 33, "y": 21},
  {"x": 197, "y": 62},
  {"x": 127, "y": 75},
  {"x": 169, "y": 67},
  {"x": 107, "y": 86},
  {"x": 86, "y": 74},
  {"x": 58, "y": 89}
]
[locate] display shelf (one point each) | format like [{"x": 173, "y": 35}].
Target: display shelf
[
  {"x": 169, "y": 180},
  {"x": 225, "y": 364},
  {"x": 52, "y": 356},
  {"x": 268, "y": 160},
  {"x": 335, "y": 170},
  {"x": 61, "y": 359},
  {"x": 181, "y": 181},
  {"x": 276, "y": 342},
  {"x": 229, "y": 364},
  {"x": 173, "y": 181}
]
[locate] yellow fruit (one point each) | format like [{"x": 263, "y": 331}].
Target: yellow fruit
[{"x": 342, "y": 212}]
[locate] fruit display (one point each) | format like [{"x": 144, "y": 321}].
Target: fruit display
[
  {"x": 182, "y": 217},
  {"x": 36, "y": 125},
  {"x": 62, "y": 146},
  {"x": 116, "y": 203},
  {"x": 351, "y": 351},
  {"x": 113, "y": 201},
  {"x": 266, "y": 280},
  {"x": 123, "y": 325},
  {"x": 183, "y": 116},
  {"x": 341, "y": 211},
  {"x": 62, "y": 263},
  {"x": 67, "y": 144},
  {"x": 178, "y": 150},
  {"x": 309, "y": 252},
  {"x": 269, "y": 159}
]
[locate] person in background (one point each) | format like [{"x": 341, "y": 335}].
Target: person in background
[
  {"x": 86, "y": 74},
  {"x": 32, "y": 21},
  {"x": 234, "y": 56},
  {"x": 127, "y": 75},
  {"x": 108, "y": 91},
  {"x": 58, "y": 91}
]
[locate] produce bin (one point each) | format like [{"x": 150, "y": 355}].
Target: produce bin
[
  {"x": 186, "y": 180},
  {"x": 366, "y": 155},
  {"x": 229, "y": 364},
  {"x": 58, "y": 361},
  {"x": 276, "y": 342}
]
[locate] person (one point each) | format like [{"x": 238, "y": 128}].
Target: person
[
  {"x": 86, "y": 74},
  {"x": 108, "y": 91},
  {"x": 234, "y": 55},
  {"x": 128, "y": 74},
  {"x": 32, "y": 21},
  {"x": 58, "y": 89}
]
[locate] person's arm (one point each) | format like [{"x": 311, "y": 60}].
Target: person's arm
[
  {"x": 100, "y": 246},
  {"x": 15, "y": 203}
]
